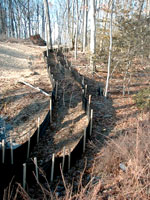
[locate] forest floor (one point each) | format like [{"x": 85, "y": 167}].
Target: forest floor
[
  {"x": 100, "y": 174},
  {"x": 115, "y": 136}
]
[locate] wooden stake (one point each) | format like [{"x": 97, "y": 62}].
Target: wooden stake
[
  {"x": 84, "y": 140},
  {"x": 52, "y": 168},
  {"x": 50, "y": 109},
  {"x": 51, "y": 78},
  {"x": 36, "y": 169},
  {"x": 28, "y": 150},
  {"x": 91, "y": 122},
  {"x": 63, "y": 161},
  {"x": 3, "y": 151},
  {"x": 85, "y": 90},
  {"x": 53, "y": 83},
  {"x": 56, "y": 90},
  {"x": 24, "y": 176},
  {"x": 38, "y": 130},
  {"x": 90, "y": 99},
  {"x": 11, "y": 151},
  {"x": 49, "y": 70},
  {"x": 89, "y": 105},
  {"x": 69, "y": 159},
  {"x": 83, "y": 81}
]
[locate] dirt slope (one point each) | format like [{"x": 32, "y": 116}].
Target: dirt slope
[{"x": 19, "y": 104}]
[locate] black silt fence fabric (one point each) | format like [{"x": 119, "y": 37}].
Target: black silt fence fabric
[
  {"x": 84, "y": 103},
  {"x": 20, "y": 153},
  {"x": 17, "y": 168}
]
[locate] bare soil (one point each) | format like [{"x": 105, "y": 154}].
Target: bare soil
[
  {"x": 69, "y": 118},
  {"x": 20, "y": 105}
]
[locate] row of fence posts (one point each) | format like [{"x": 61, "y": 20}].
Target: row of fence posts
[
  {"x": 54, "y": 87},
  {"x": 89, "y": 112},
  {"x": 87, "y": 106},
  {"x": 52, "y": 167}
]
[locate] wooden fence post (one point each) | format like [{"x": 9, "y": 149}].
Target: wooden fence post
[
  {"x": 50, "y": 109},
  {"x": 91, "y": 122},
  {"x": 63, "y": 161},
  {"x": 85, "y": 90},
  {"x": 11, "y": 151},
  {"x": 89, "y": 106},
  {"x": 84, "y": 140},
  {"x": 36, "y": 169},
  {"x": 3, "y": 151},
  {"x": 28, "y": 149},
  {"x": 69, "y": 158},
  {"x": 52, "y": 168},
  {"x": 56, "y": 91},
  {"x": 24, "y": 176},
  {"x": 38, "y": 130},
  {"x": 83, "y": 81}
]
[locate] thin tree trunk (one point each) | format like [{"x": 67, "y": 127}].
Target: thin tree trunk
[
  {"x": 85, "y": 25},
  {"x": 48, "y": 27},
  {"x": 93, "y": 35},
  {"x": 110, "y": 51},
  {"x": 43, "y": 23},
  {"x": 29, "y": 22},
  {"x": 68, "y": 17},
  {"x": 37, "y": 28},
  {"x": 77, "y": 22},
  {"x": 73, "y": 25}
]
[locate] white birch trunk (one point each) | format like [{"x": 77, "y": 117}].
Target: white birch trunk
[{"x": 110, "y": 51}]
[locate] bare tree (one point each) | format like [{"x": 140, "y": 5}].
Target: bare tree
[
  {"x": 29, "y": 22},
  {"x": 110, "y": 50},
  {"x": 48, "y": 27},
  {"x": 85, "y": 24},
  {"x": 77, "y": 23},
  {"x": 93, "y": 34},
  {"x": 43, "y": 23}
]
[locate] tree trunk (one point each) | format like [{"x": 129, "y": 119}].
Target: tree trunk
[
  {"x": 29, "y": 22},
  {"x": 68, "y": 16},
  {"x": 93, "y": 35},
  {"x": 73, "y": 38},
  {"x": 85, "y": 25},
  {"x": 48, "y": 27},
  {"x": 43, "y": 23},
  {"x": 77, "y": 22},
  {"x": 37, "y": 24},
  {"x": 110, "y": 51}
]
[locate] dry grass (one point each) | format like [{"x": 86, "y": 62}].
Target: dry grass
[{"x": 131, "y": 150}]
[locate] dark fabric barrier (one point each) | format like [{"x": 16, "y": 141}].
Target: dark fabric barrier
[{"x": 20, "y": 153}]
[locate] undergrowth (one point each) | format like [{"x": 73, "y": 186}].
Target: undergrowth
[{"x": 142, "y": 99}]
